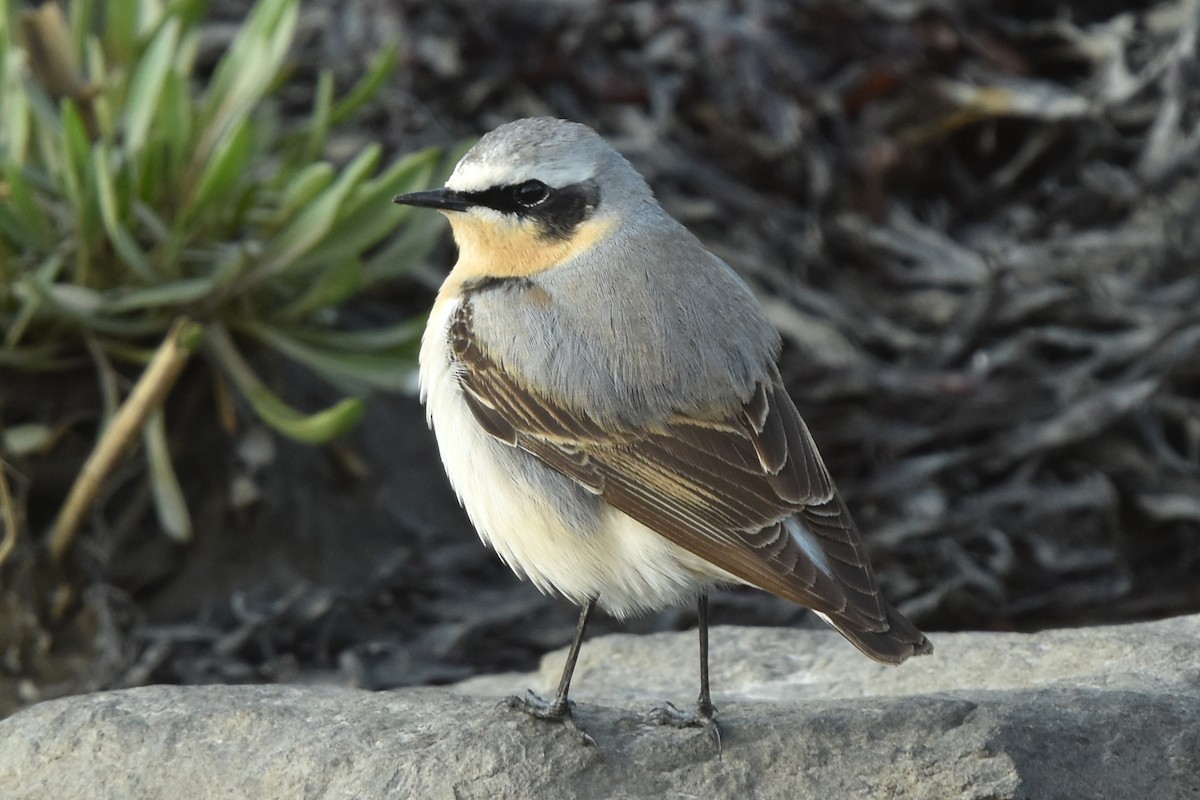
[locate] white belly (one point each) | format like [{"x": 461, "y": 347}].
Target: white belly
[{"x": 547, "y": 529}]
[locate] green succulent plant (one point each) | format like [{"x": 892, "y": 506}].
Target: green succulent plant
[{"x": 137, "y": 196}]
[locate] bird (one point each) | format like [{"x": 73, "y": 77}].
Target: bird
[{"x": 607, "y": 403}]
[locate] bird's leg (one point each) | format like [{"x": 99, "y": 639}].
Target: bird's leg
[
  {"x": 705, "y": 715},
  {"x": 560, "y": 709}
]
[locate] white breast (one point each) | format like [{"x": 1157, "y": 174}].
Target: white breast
[{"x": 599, "y": 552}]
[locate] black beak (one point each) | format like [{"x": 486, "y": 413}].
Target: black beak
[{"x": 442, "y": 199}]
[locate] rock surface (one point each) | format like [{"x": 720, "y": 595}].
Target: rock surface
[{"x": 1100, "y": 712}]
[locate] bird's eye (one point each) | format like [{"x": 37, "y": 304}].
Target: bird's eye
[{"x": 531, "y": 193}]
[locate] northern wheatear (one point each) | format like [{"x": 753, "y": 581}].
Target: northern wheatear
[{"x": 606, "y": 400}]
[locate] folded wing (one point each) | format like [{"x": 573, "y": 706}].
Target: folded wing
[{"x": 748, "y": 493}]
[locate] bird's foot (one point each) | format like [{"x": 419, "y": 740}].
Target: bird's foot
[
  {"x": 704, "y": 716},
  {"x": 556, "y": 711}
]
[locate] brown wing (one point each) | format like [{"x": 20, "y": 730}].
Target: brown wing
[{"x": 724, "y": 490}]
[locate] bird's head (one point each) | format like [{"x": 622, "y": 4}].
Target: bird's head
[{"x": 532, "y": 194}]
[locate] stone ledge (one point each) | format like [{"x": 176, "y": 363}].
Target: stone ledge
[{"x": 1099, "y": 712}]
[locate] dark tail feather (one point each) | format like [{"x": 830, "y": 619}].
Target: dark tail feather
[{"x": 893, "y": 646}]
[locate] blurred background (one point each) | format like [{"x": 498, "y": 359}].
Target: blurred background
[{"x": 976, "y": 225}]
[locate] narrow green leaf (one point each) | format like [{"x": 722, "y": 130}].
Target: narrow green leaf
[
  {"x": 414, "y": 244},
  {"x": 118, "y": 350},
  {"x": 169, "y": 505},
  {"x": 265, "y": 17},
  {"x": 26, "y": 289},
  {"x": 151, "y": 224},
  {"x": 126, "y": 245},
  {"x": 306, "y": 184},
  {"x": 76, "y": 150},
  {"x": 79, "y": 299},
  {"x": 189, "y": 12},
  {"x": 14, "y": 231},
  {"x": 120, "y": 27},
  {"x": 330, "y": 287},
  {"x": 173, "y": 124},
  {"x": 247, "y": 70},
  {"x": 71, "y": 304},
  {"x": 399, "y": 339},
  {"x": 223, "y": 174},
  {"x": 412, "y": 172},
  {"x": 354, "y": 235},
  {"x": 15, "y": 121},
  {"x": 318, "y": 122},
  {"x": 348, "y": 371},
  {"x": 369, "y": 215},
  {"x": 82, "y": 16},
  {"x": 19, "y": 230},
  {"x": 146, "y": 87},
  {"x": 377, "y": 75},
  {"x": 312, "y": 428},
  {"x": 315, "y": 220},
  {"x": 175, "y": 293},
  {"x": 36, "y": 231}
]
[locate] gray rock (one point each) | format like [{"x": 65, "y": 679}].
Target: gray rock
[{"x": 1101, "y": 712}]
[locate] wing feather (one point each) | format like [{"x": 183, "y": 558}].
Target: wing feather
[{"x": 732, "y": 490}]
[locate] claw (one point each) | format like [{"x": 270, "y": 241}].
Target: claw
[
  {"x": 538, "y": 708},
  {"x": 705, "y": 716}
]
